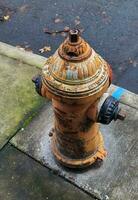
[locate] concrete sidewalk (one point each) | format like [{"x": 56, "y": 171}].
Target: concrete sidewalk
[
  {"x": 116, "y": 179},
  {"x": 22, "y": 178}
]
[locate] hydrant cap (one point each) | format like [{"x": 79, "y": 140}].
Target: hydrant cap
[
  {"x": 74, "y": 48},
  {"x": 75, "y": 70}
]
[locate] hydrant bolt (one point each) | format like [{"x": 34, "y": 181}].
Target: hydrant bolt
[
  {"x": 121, "y": 115},
  {"x": 73, "y": 36}
]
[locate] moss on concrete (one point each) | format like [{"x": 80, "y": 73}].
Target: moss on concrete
[{"x": 18, "y": 99}]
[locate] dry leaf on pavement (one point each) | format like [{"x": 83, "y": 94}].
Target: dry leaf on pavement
[
  {"x": 58, "y": 20},
  {"x": 66, "y": 28},
  {"x": 4, "y": 18},
  {"x": 45, "y": 49},
  {"x": 26, "y": 48},
  {"x": 77, "y": 22}
]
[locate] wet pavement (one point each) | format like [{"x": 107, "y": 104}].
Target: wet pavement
[
  {"x": 109, "y": 26},
  {"x": 116, "y": 179},
  {"x": 22, "y": 178}
]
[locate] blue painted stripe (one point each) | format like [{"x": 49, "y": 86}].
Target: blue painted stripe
[{"x": 118, "y": 93}]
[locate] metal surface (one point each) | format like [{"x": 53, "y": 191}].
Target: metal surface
[
  {"x": 116, "y": 178},
  {"x": 65, "y": 77},
  {"x": 75, "y": 78},
  {"x": 74, "y": 48}
]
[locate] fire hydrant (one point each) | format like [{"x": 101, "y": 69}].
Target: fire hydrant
[{"x": 76, "y": 79}]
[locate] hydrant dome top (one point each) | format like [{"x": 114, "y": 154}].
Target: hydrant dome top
[
  {"x": 75, "y": 67},
  {"x": 74, "y": 48}
]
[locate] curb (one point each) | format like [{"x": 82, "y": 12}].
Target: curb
[
  {"x": 22, "y": 55},
  {"x": 127, "y": 98}
]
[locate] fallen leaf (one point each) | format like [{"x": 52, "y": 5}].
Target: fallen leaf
[
  {"x": 45, "y": 49},
  {"x": 77, "y": 17},
  {"x": 64, "y": 33},
  {"x": 20, "y": 47},
  {"x": 58, "y": 20},
  {"x": 133, "y": 62},
  {"x": 77, "y": 22},
  {"x": 130, "y": 60},
  {"x": 26, "y": 48},
  {"x": 66, "y": 28},
  {"x": 6, "y": 17},
  {"x": 105, "y": 17},
  {"x": 103, "y": 13},
  {"x": 6, "y": 13}
]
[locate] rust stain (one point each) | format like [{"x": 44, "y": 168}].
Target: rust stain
[{"x": 75, "y": 78}]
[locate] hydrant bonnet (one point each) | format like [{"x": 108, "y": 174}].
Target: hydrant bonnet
[{"x": 75, "y": 70}]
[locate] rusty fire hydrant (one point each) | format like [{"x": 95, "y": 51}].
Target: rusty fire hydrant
[{"x": 76, "y": 79}]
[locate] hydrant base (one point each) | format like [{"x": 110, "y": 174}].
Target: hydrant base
[{"x": 79, "y": 163}]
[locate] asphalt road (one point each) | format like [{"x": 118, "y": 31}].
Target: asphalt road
[{"x": 110, "y": 26}]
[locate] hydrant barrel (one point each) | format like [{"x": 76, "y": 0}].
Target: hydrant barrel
[{"x": 75, "y": 78}]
